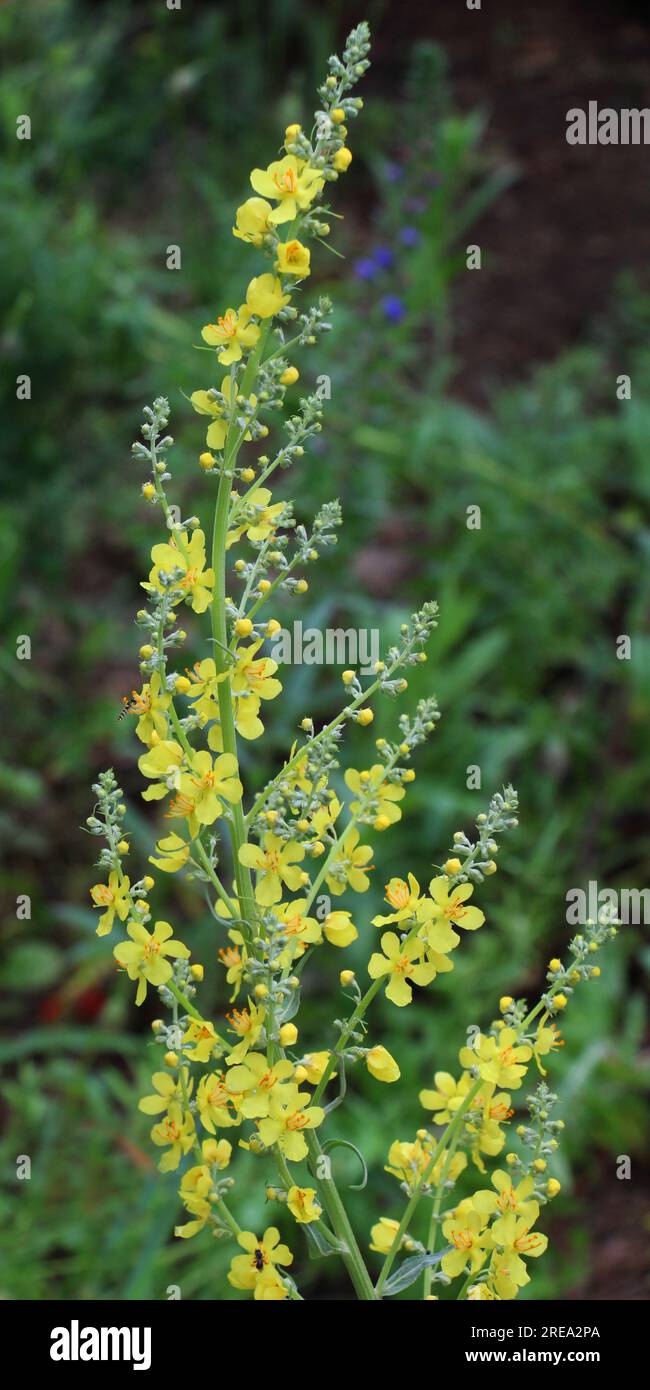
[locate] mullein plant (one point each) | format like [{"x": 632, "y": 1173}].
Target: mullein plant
[{"x": 269, "y": 863}]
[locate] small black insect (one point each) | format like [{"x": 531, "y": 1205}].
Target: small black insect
[
  {"x": 259, "y": 1261},
  {"x": 128, "y": 705}
]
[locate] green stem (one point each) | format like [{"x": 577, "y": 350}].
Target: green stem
[
  {"x": 449, "y": 1134},
  {"x": 182, "y": 999},
  {"x": 345, "y": 1035},
  {"x": 300, "y": 752},
  {"x": 435, "y": 1214},
  {"x": 219, "y": 631},
  {"x": 351, "y": 1256}
]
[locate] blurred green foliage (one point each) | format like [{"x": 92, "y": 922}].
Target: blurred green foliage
[{"x": 138, "y": 143}]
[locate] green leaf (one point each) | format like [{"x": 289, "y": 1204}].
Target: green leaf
[
  {"x": 322, "y": 1243},
  {"x": 410, "y": 1270}
]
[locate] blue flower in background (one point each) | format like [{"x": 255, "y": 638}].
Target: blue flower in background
[
  {"x": 409, "y": 236},
  {"x": 394, "y": 308},
  {"x": 365, "y": 269},
  {"x": 383, "y": 258}
]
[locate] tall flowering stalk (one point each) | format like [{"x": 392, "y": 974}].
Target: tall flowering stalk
[{"x": 269, "y": 864}]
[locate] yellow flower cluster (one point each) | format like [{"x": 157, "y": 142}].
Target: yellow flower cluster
[{"x": 271, "y": 864}]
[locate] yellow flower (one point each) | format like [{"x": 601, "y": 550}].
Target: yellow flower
[
  {"x": 500, "y": 1060},
  {"x": 313, "y": 1066},
  {"x": 201, "y": 1037},
  {"x": 174, "y": 854},
  {"x": 350, "y": 865},
  {"x": 194, "y": 1193},
  {"x": 247, "y": 1024},
  {"x": 402, "y": 897},
  {"x": 373, "y": 785},
  {"x": 275, "y": 862},
  {"x": 407, "y": 1161},
  {"x": 203, "y": 688},
  {"x": 303, "y": 1203},
  {"x": 215, "y": 1103},
  {"x": 144, "y": 957},
  {"x": 290, "y": 1114},
  {"x": 339, "y": 930},
  {"x": 253, "y": 676},
  {"x": 207, "y": 785},
  {"x": 162, "y": 763},
  {"x": 195, "y": 583},
  {"x": 114, "y": 897},
  {"x": 217, "y": 1152},
  {"x": 487, "y": 1135},
  {"x": 507, "y": 1197},
  {"x": 262, "y": 519},
  {"x": 168, "y": 1091},
  {"x": 383, "y": 1234},
  {"x": 265, "y": 296},
  {"x": 176, "y": 1132},
  {"x": 253, "y": 221},
  {"x": 233, "y": 333},
  {"x": 514, "y": 1234},
  {"x": 547, "y": 1039},
  {"x": 291, "y": 182},
  {"x": 204, "y": 404},
  {"x": 300, "y": 930},
  {"x": 381, "y": 1065},
  {"x": 451, "y": 907},
  {"x": 233, "y": 959},
  {"x": 151, "y": 704},
  {"x": 465, "y": 1230},
  {"x": 401, "y": 963},
  {"x": 258, "y": 1082},
  {"x": 256, "y": 1269},
  {"x": 293, "y": 259},
  {"x": 447, "y": 1097}
]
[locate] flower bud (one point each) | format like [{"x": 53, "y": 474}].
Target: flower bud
[
  {"x": 288, "y": 1034},
  {"x": 381, "y": 1065},
  {"x": 342, "y": 159},
  {"x": 290, "y": 376}
]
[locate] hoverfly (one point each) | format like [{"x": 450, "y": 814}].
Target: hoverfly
[{"x": 129, "y": 704}]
